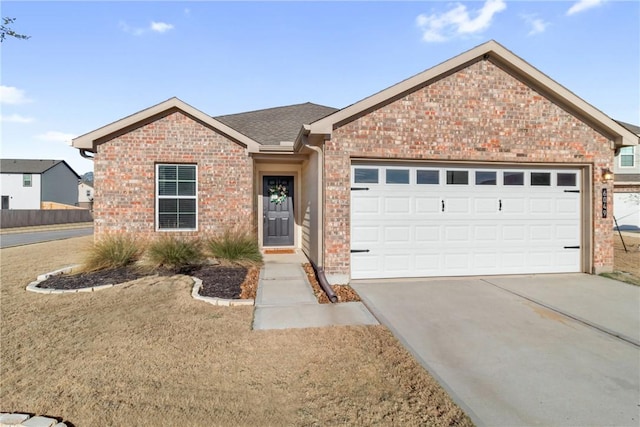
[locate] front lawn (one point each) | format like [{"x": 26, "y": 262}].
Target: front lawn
[{"x": 147, "y": 353}]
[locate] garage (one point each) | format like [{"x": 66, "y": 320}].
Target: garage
[{"x": 424, "y": 220}]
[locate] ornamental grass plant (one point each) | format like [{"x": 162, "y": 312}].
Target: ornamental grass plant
[
  {"x": 112, "y": 252},
  {"x": 236, "y": 247},
  {"x": 175, "y": 254}
]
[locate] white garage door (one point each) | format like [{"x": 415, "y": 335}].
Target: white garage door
[{"x": 421, "y": 221}]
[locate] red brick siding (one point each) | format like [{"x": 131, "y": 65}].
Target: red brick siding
[
  {"x": 480, "y": 113},
  {"x": 124, "y": 170}
]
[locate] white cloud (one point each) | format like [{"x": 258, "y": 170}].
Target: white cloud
[
  {"x": 457, "y": 21},
  {"x": 582, "y": 5},
  {"x": 156, "y": 27},
  {"x": 55, "y": 136},
  {"x": 537, "y": 25},
  {"x": 12, "y": 95},
  {"x": 15, "y": 118},
  {"x": 161, "y": 27}
]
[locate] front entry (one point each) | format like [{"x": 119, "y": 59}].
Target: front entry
[{"x": 277, "y": 197}]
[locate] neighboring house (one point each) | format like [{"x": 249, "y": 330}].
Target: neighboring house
[
  {"x": 626, "y": 184},
  {"x": 85, "y": 195},
  {"x": 479, "y": 165},
  {"x": 27, "y": 183}
]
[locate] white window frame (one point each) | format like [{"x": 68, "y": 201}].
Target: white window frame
[
  {"x": 632, "y": 155},
  {"x": 158, "y": 197},
  {"x": 27, "y": 180}
]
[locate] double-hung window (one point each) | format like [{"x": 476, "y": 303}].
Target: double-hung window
[
  {"x": 176, "y": 197},
  {"x": 627, "y": 157},
  {"x": 27, "y": 180}
]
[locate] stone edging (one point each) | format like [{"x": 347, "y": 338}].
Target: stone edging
[
  {"x": 20, "y": 420},
  {"x": 195, "y": 292}
]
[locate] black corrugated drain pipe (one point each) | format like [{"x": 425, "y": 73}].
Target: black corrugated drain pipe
[{"x": 324, "y": 284}]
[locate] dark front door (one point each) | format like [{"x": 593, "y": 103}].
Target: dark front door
[
  {"x": 277, "y": 196},
  {"x": 5, "y": 202}
]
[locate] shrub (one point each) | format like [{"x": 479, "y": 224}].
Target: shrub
[
  {"x": 112, "y": 252},
  {"x": 237, "y": 247},
  {"x": 175, "y": 254}
]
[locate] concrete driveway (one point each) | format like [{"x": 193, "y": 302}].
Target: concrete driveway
[{"x": 552, "y": 350}]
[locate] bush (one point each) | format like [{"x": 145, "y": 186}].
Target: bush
[
  {"x": 175, "y": 254},
  {"x": 112, "y": 252},
  {"x": 237, "y": 247}
]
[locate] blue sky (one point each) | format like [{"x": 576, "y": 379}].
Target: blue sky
[{"x": 90, "y": 63}]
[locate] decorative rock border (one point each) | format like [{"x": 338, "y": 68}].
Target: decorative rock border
[
  {"x": 26, "y": 420},
  {"x": 195, "y": 292}
]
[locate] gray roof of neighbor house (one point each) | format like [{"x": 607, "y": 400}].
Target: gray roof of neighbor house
[
  {"x": 30, "y": 165},
  {"x": 272, "y": 126},
  {"x": 633, "y": 128}
]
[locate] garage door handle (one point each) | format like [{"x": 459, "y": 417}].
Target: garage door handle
[
  {"x": 500, "y": 205},
  {"x": 443, "y": 206},
  {"x": 357, "y": 251},
  {"x": 572, "y": 247}
]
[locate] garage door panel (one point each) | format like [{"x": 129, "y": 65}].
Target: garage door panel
[{"x": 420, "y": 230}]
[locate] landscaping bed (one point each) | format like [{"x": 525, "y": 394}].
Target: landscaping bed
[
  {"x": 345, "y": 293},
  {"x": 217, "y": 281}
]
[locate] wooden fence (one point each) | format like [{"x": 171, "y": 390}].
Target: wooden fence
[{"x": 10, "y": 218}]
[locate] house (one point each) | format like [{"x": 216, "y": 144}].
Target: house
[
  {"x": 626, "y": 184},
  {"x": 28, "y": 183},
  {"x": 85, "y": 195},
  {"x": 479, "y": 165}
]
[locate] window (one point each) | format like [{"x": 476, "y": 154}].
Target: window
[
  {"x": 626, "y": 157},
  {"x": 566, "y": 179},
  {"x": 176, "y": 206},
  {"x": 458, "y": 177},
  {"x": 513, "y": 178},
  {"x": 427, "y": 176},
  {"x": 365, "y": 176},
  {"x": 27, "y": 180},
  {"x": 397, "y": 176},
  {"x": 541, "y": 178},
  {"x": 485, "y": 178},
  {"x": 88, "y": 193}
]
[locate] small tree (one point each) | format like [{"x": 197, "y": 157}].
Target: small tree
[{"x": 6, "y": 31}]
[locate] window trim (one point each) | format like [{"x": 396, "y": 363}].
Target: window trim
[
  {"x": 632, "y": 155},
  {"x": 158, "y": 197},
  {"x": 30, "y": 180}
]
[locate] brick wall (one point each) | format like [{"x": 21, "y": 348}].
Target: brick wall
[
  {"x": 480, "y": 113},
  {"x": 124, "y": 170}
]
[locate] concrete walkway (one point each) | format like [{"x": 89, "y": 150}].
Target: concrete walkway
[{"x": 285, "y": 299}]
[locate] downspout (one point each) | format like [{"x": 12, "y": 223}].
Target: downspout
[
  {"x": 84, "y": 154},
  {"x": 322, "y": 279}
]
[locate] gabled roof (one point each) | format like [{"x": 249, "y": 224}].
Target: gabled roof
[
  {"x": 36, "y": 166},
  {"x": 506, "y": 60},
  {"x": 633, "y": 128},
  {"x": 91, "y": 140},
  {"x": 272, "y": 126}
]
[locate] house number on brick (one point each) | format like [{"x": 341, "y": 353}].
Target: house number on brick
[{"x": 604, "y": 203}]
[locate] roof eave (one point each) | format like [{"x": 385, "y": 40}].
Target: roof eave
[
  {"x": 90, "y": 141},
  {"x": 508, "y": 61}
]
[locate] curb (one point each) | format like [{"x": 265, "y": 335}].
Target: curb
[{"x": 195, "y": 291}]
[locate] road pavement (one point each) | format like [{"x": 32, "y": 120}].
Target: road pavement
[{"x": 29, "y": 237}]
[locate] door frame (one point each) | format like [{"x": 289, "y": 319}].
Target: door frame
[{"x": 267, "y": 169}]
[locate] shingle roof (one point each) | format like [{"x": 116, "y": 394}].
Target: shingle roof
[
  {"x": 274, "y": 125},
  {"x": 29, "y": 165},
  {"x": 633, "y": 128}
]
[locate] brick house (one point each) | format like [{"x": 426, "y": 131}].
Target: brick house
[{"x": 479, "y": 165}]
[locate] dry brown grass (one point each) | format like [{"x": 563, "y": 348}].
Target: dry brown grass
[
  {"x": 148, "y": 354},
  {"x": 626, "y": 264}
]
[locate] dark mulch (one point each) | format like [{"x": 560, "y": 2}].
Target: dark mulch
[{"x": 217, "y": 281}]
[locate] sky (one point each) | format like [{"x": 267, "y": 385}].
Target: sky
[{"x": 88, "y": 63}]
